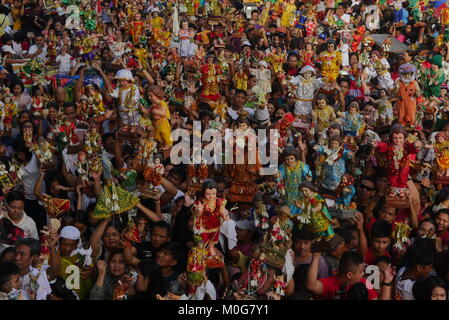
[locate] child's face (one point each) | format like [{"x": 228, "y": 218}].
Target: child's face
[
  {"x": 321, "y": 103},
  {"x": 333, "y": 144},
  {"x": 352, "y": 110},
  {"x": 307, "y": 75},
  {"x": 380, "y": 245},
  {"x": 440, "y": 139},
  {"x": 388, "y": 214},
  {"x": 243, "y": 126}
]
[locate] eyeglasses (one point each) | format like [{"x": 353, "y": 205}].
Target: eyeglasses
[{"x": 362, "y": 186}]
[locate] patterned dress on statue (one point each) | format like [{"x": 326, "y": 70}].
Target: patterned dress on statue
[{"x": 292, "y": 179}]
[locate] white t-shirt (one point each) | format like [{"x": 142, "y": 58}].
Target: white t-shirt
[
  {"x": 30, "y": 175},
  {"x": 28, "y": 226},
  {"x": 42, "y": 56},
  {"x": 404, "y": 287},
  {"x": 65, "y": 63},
  {"x": 234, "y": 115}
]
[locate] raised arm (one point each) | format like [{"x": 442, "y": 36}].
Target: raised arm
[{"x": 312, "y": 283}]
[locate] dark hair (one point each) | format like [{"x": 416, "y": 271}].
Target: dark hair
[
  {"x": 6, "y": 251},
  {"x": 442, "y": 211},
  {"x": 345, "y": 234},
  {"x": 302, "y": 234},
  {"x": 421, "y": 253},
  {"x": 381, "y": 229},
  {"x": 174, "y": 249},
  {"x": 33, "y": 244},
  {"x": 237, "y": 91},
  {"x": 163, "y": 225},
  {"x": 180, "y": 171},
  {"x": 422, "y": 289},
  {"x": 441, "y": 264},
  {"x": 15, "y": 196},
  {"x": 349, "y": 261},
  {"x": 383, "y": 259},
  {"x": 115, "y": 252},
  {"x": 7, "y": 270},
  {"x": 19, "y": 146},
  {"x": 14, "y": 84}
]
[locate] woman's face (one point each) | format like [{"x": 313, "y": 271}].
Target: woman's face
[
  {"x": 52, "y": 113},
  {"x": 290, "y": 161},
  {"x": 117, "y": 265},
  {"x": 24, "y": 117},
  {"x": 271, "y": 109},
  {"x": 353, "y": 60},
  {"x": 17, "y": 90},
  {"x": 111, "y": 238},
  {"x": 438, "y": 293},
  {"x": 333, "y": 144}
]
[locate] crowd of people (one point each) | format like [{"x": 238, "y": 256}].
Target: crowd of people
[{"x": 94, "y": 207}]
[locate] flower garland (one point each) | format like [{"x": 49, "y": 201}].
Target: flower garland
[
  {"x": 399, "y": 159},
  {"x": 128, "y": 100}
]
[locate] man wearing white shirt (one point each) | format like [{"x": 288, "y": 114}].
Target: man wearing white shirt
[
  {"x": 39, "y": 49},
  {"x": 238, "y": 102},
  {"x": 15, "y": 205}
]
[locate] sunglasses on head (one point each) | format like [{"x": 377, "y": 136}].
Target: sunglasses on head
[{"x": 362, "y": 186}]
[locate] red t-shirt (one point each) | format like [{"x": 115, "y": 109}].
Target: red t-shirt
[
  {"x": 444, "y": 237},
  {"x": 333, "y": 290},
  {"x": 370, "y": 257}
]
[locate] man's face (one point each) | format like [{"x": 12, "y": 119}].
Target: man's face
[
  {"x": 344, "y": 87},
  {"x": 159, "y": 236},
  {"x": 220, "y": 190},
  {"x": 23, "y": 257},
  {"x": 357, "y": 274},
  {"x": 380, "y": 245},
  {"x": 366, "y": 189},
  {"x": 292, "y": 61},
  {"x": 67, "y": 246},
  {"x": 70, "y": 113},
  {"x": 442, "y": 221},
  {"x": 15, "y": 210},
  {"x": 388, "y": 214},
  {"x": 165, "y": 259},
  {"x": 239, "y": 99},
  {"x": 302, "y": 247}
]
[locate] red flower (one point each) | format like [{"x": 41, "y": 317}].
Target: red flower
[{"x": 289, "y": 117}]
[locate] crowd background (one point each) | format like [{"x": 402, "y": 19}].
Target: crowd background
[{"x": 91, "y": 92}]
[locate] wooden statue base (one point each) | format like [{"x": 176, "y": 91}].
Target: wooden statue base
[
  {"x": 151, "y": 194},
  {"x": 128, "y": 135},
  {"x": 397, "y": 202},
  {"x": 442, "y": 179},
  {"x": 344, "y": 214}
]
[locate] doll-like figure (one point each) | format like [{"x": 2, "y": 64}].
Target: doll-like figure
[
  {"x": 263, "y": 77},
  {"x": 441, "y": 148},
  {"x": 353, "y": 120},
  {"x": 305, "y": 86},
  {"x": 346, "y": 192},
  {"x": 92, "y": 143},
  {"x": 322, "y": 116},
  {"x": 208, "y": 211},
  {"x": 334, "y": 162},
  {"x": 399, "y": 155},
  {"x": 330, "y": 63},
  {"x": 210, "y": 79},
  {"x": 196, "y": 263},
  {"x": 128, "y": 96},
  {"x": 187, "y": 47},
  {"x": 94, "y": 101},
  {"x": 381, "y": 70},
  {"x": 288, "y": 14},
  {"x": 385, "y": 108},
  {"x": 44, "y": 151},
  {"x": 82, "y": 167},
  {"x": 408, "y": 91}
]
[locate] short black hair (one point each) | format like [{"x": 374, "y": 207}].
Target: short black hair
[
  {"x": 174, "y": 249},
  {"x": 163, "y": 225},
  {"x": 33, "y": 244},
  {"x": 422, "y": 289},
  {"x": 383, "y": 259},
  {"x": 302, "y": 234},
  {"x": 7, "y": 269},
  {"x": 349, "y": 261},
  {"x": 421, "y": 253},
  {"x": 237, "y": 91},
  {"x": 345, "y": 234},
  {"x": 15, "y": 196},
  {"x": 381, "y": 229}
]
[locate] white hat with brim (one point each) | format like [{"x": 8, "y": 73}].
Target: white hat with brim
[
  {"x": 70, "y": 232},
  {"x": 8, "y": 49},
  {"x": 307, "y": 69},
  {"x": 124, "y": 74}
]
